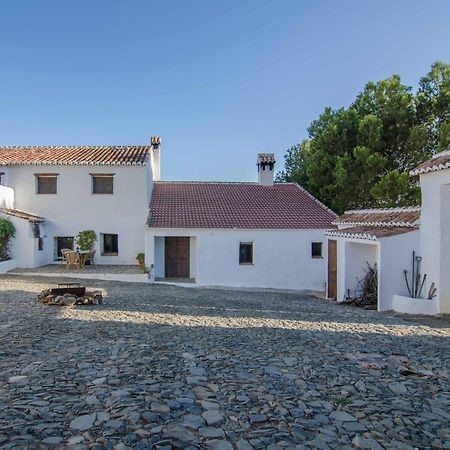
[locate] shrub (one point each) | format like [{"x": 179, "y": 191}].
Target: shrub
[
  {"x": 86, "y": 239},
  {"x": 7, "y": 232},
  {"x": 140, "y": 258}
]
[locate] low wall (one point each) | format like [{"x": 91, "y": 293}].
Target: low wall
[
  {"x": 6, "y": 266},
  {"x": 125, "y": 277},
  {"x": 409, "y": 305}
]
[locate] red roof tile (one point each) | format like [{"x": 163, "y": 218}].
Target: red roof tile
[
  {"x": 236, "y": 205},
  {"x": 115, "y": 155},
  {"x": 22, "y": 215},
  {"x": 394, "y": 217},
  {"x": 370, "y": 233},
  {"x": 439, "y": 161}
]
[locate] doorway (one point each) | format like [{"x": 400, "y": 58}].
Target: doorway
[
  {"x": 332, "y": 269},
  {"x": 177, "y": 257}
]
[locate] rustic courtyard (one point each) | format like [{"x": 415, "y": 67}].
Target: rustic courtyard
[{"x": 168, "y": 367}]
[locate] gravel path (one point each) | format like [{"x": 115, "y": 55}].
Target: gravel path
[{"x": 166, "y": 367}]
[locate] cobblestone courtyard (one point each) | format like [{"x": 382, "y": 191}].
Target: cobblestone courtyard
[{"x": 167, "y": 367}]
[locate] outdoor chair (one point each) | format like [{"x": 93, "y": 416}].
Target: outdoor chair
[
  {"x": 90, "y": 257},
  {"x": 72, "y": 259}
]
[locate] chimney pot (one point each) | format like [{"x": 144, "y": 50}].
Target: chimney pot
[
  {"x": 155, "y": 141},
  {"x": 266, "y": 164}
]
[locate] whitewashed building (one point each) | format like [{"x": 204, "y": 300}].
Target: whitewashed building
[
  {"x": 435, "y": 227},
  {"x": 381, "y": 238},
  {"x": 260, "y": 234},
  {"x": 388, "y": 238},
  {"x": 52, "y": 193}
]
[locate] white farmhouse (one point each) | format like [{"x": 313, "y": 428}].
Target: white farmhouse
[
  {"x": 381, "y": 238},
  {"x": 435, "y": 226},
  {"x": 388, "y": 238},
  {"x": 52, "y": 193},
  {"x": 260, "y": 234}
]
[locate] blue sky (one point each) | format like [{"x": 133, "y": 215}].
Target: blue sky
[{"x": 220, "y": 81}]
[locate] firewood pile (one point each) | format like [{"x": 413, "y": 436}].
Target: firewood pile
[
  {"x": 70, "y": 295},
  {"x": 368, "y": 287}
]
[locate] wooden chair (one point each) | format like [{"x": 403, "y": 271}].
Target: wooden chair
[
  {"x": 90, "y": 257},
  {"x": 72, "y": 259}
]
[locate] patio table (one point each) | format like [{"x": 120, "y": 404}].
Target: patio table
[{"x": 82, "y": 255}]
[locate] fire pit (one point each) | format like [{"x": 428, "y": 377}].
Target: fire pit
[{"x": 70, "y": 294}]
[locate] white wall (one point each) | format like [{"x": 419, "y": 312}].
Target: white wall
[
  {"x": 434, "y": 234},
  {"x": 6, "y": 197},
  {"x": 22, "y": 246},
  {"x": 396, "y": 256},
  {"x": 392, "y": 255},
  {"x": 358, "y": 254},
  {"x": 159, "y": 258},
  {"x": 444, "y": 275},
  {"x": 352, "y": 255},
  {"x": 74, "y": 208},
  {"x": 282, "y": 258}
]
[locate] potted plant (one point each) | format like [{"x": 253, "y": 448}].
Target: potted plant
[
  {"x": 85, "y": 241},
  {"x": 7, "y": 232},
  {"x": 140, "y": 258}
]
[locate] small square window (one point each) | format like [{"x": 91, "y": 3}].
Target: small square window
[
  {"x": 102, "y": 184},
  {"x": 46, "y": 184},
  {"x": 246, "y": 253},
  {"x": 110, "y": 244},
  {"x": 316, "y": 249}
]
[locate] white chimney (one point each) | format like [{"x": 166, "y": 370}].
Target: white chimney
[
  {"x": 155, "y": 142},
  {"x": 266, "y": 165}
]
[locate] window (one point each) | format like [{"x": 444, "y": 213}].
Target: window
[
  {"x": 246, "y": 253},
  {"x": 2, "y": 178},
  {"x": 102, "y": 183},
  {"x": 40, "y": 244},
  {"x": 36, "y": 230},
  {"x": 110, "y": 244},
  {"x": 62, "y": 243},
  {"x": 316, "y": 250},
  {"x": 46, "y": 183}
]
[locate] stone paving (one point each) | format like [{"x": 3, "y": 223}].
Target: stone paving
[{"x": 167, "y": 367}]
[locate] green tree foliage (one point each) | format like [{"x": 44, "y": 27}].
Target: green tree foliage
[
  {"x": 7, "y": 232},
  {"x": 85, "y": 240},
  {"x": 361, "y": 156}
]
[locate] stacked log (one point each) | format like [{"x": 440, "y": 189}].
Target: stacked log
[{"x": 89, "y": 298}]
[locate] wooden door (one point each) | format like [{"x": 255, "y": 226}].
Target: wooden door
[
  {"x": 177, "y": 255},
  {"x": 332, "y": 269}
]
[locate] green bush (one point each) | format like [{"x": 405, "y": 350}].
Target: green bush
[
  {"x": 140, "y": 258},
  {"x": 7, "y": 232},
  {"x": 86, "y": 239}
]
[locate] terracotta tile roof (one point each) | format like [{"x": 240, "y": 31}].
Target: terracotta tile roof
[
  {"x": 393, "y": 217},
  {"x": 100, "y": 155},
  {"x": 236, "y": 205},
  {"x": 22, "y": 215},
  {"x": 440, "y": 161},
  {"x": 370, "y": 233}
]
